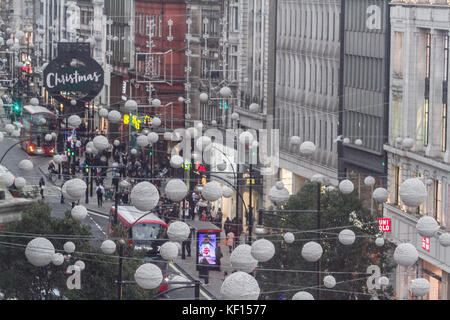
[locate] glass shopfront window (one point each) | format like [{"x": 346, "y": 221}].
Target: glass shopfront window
[{"x": 434, "y": 276}]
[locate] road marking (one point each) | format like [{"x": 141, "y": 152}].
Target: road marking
[
  {"x": 203, "y": 293},
  {"x": 104, "y": 216},
  {"x": 96, "y": 224}
]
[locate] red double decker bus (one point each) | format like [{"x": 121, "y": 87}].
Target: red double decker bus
[{"x": 37, "y": 121}]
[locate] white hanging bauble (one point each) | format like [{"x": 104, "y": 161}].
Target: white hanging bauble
[
  {"x": 80, "y": 264},
  {"x": 312, "y": 251},
  {"x": 124, "y": 184},
  {"x": 142, "y": 141},
  {"x": 277, "y": 196},
  {"x": 176, "y": 161},
  {"x": 212, "y": 191},
  {"x": 406, "y": 254},
  {"x": 131, "y": 106},
  {"x": 203, "y": 142},
  {"x": 319, "y": 178},
  {"x": 379, "y": 242},
  {"x": 57, "y": 159},
  {"x": 289, "y": 237},
  {"x": 227, "y": 192},
  {"x": 101, "y": 143},
  {"x": 408, "y": 143},
  {"x": 48, "y": 137},
  {"x": 133, "y": 151},
  {"x": 235, "y": 116},
  {"x": 380, "y": 195},
  {"x": 148, "y": 276},
  {"x": 156, "y": 103},
  {"x": 203, "y": 97},
  {"x": 69, "y": 247},
  {"x": 144, "y": 196},
  {"x": 444, "y": 239},
  {"x": 214, "y": 123},
  {"x": 358, "y": 142},
  {"x": 75, "y": 188},
  {"x": 54, "y": 135},
  {"x": 180, "y": 99},
  {"x": 169, "y": 251},
  {"x": 58, "y": 259},
  {"x": 178, "y": 231},
  {"x": 242, "y": 260},
  {"x": 240, "y": 286},
  {"x": 330, "y": 189},
  {"x": 413, "y": 192},
  {"x": 8, "y": 179},
  {"x": 262, "y": 250},
  {"x": 20, "y": 183},
  {"x": 279, "y": 185},
  {"x": 399, "y": 141},
  {"x": 307, "y": 148},
  {"x": 176, "y": 190},
  {"x": 369, "y": 181},
  {"x": 78, "y": 213},
  {"x": 346, "y": 186},
  {"x": 108, "y": 247},
  {"x": 225, "y": 92},
  {"x": 246, "y": 138},
  {"x": 167, "y": 136},
  {"x": 34, "y": 101},
  {"x": 420, "y": 287},
  {"x": 152, "y": 137},
  {"x": 9, "y": 128},
  {"x": 347, "y": 237},
  {"x": 427, "y": 226},
  {"x": 39, "y": 252},
  {"x": 329, "y": 282},
  {"x": 103, "y": 112},
  {"x": 116, "y": 143},
  {"x": 156, "y": 122},
  {"x": 254, "y": 108},
  {"x": 74, "y": 121},
  {"x": 26, "y": 165},
  {"x": 222, "y": 166},
  {"x": 303, "y": 295},
  {"x": 384, "y": 281},
  {"x": 114, "y": 116}
]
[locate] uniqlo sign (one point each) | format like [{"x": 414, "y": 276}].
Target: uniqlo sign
[
  {"x": 384, "y": 225},
  {"x": 426, "y": 244}
]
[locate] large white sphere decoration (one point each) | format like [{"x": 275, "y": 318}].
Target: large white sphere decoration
[
  {"x": 26, "y": 165},
  {"x": 20, "y": 183},
  {"x": 240, "y": 286},
  {"x": 277, "y": 196},
  {"x": 213, "y": 122},
  {"x": 74, "y": 121},
  {"x": 420, "y": 287},
  {"x": 307, "y": 148},
  {"x": 384, "y": 281},
  {"x": 289, "y": 237},
  {"x": 369, "y": 181},
  {"x": 75, "y": 188},
  {"x": 246, "y": 138},
  {"x": 144, "y": 196},
  {"x": 1, "y": 133},
  {"x": 148, "y": 276},
  {"x": 90, "y": 145},
  {"x": 156, "y": 122},
  {"x": 235, "y": 116},
  {"x": 329, "y": 282},
  {"x": 358, "y": 142},
  {"x": 380, "y": 195},
  {"x": 116, "y": 143},
  {"x": 133, "y": 151},
  {"x": 48, "y": 137},
  {"x": 178, "y": 278},
  {"x": 16, "y": 133},
  {"x": 279, "y": 185},
  {"x": 156, "y": 103},
  {"x": 295, "y": 140},
  {"x": 57, "y": 159},
  {"x": 379, "y": 242},
  {"x": 54, "y": 135},
  {"x": 413, "y": 192},
  {"x": 408, "y": 143},
  {"x": 444, "y": 239},
  {"x": 114, "y": 116},
  {"x": 167, "y": 136},
  {"x": 227, "y": 192},
  {"x": 142, "y": 141},
  {"x": 346, "y": 186},
  {"x": 67, "y": 196},
  {"x": 222, "y": 166},
  {"x": 103, "y": 112},
  {"x": 34, "y": 101},
  {"x": 39, "y": 252},
  {"x": 427, "y": 226},
  {"x": 131, "y": 106},
  {"x": 8, "y": 179},
  {"x": 203, "y": 142},
  {"x": 69, "y": 247},
  {"x": 80, "y": 264},
  {"x": 78, "y": 213},
  {"x": 263, "y": 250},
  {"x": 178, "y": 231},
  {"x": 19, "y": 35},
  {"x": 212, "y": 191},
  {"x": 180, "y": 99},
  {"x": 124, "y": 184},
  {"x": 152, "y": 137},
  {"x": 176, "y": 190},
  {"x": 254, "y": 108},
  {"x": 9, "y": 128},
  {"x": 225, "y": 92},
  {"x": 203, "y": 97},
  {"x": 89, "y": 150},
  {"x": 58, "y": 259},
  {"x": 108, "y": 247},
  {"x": 347, "y": 237},
  {"x": 242, "y": 260},
  {"x": 101, "y": 143},
  {"x": 320, "y": 178},
  {"x": 303, "y": 295},
  {"x": 176, "y": 161},
  {"x": 312, "y": 251},
  {"x": 406, "y": 254},
  {"x": 73, "y": 102},
  {"x": 169, "y": 251}
]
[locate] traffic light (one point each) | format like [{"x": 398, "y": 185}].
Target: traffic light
[
  {"x": 68, "y": 152},
  {"x": 17, "y": 106}
]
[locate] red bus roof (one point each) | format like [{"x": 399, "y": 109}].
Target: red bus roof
[
  {"x": 37, "y": 109},
  {"x": 129, "y": 214}
]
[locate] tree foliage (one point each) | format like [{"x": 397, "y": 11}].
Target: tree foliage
[{"x": 348, "y": 264}]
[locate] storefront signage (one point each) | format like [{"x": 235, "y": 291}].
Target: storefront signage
[
  {"x": 384, "y": 225},
  {"x": 426, "y": 244},
  {"x": 136, "y": 121}
]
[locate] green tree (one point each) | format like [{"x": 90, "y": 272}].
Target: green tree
[
  {"x": 21, "y": 280},
  {"x": 348, "y": 262}
]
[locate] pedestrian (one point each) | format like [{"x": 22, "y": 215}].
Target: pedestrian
[
  {"x": 41, "y": 187},
  {"x": 125, "y": 196},
  {"x": 203, "y": 270},
  {"x": 100, "y": 191},
  {"x": 230, "y": 241},
  {"x": 227, "y": 225},
  {"x": 219, "y": 254}
]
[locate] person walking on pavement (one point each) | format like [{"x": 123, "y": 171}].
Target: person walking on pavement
[
  {"x": 203, "y": 270},
  {"x": 41, "y": 187},
  {"x": 230, "y": 241},
  {"x": 219, "y": 255},
  {"x": 100, "y": 191}
]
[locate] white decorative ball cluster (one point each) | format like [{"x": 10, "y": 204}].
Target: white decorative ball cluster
[
  {"x": 74, "y": 121},
  {"x": 103, "y": 112},
  {"x": 379, "y": 242},
  {"x": 242, "y": 260},
  {"x": 303, "y": 295},
  {"x": 148, "y": 276},
  {"x": 427, "y": 226},
  {"x": 152, "y": 137},
  {"x": 225, "y": 92},
  {"x": 20, "y": 183},
  {"x": 240, "y": 286},
  {"x": 212, "y": 191},
  {"x": 58, "y": 259},
  {"x": 329, "y": 282},
  {"x": 384, "y": 281},
  {"x": 203, "y": 97},
  {"x": 406, "y": 254},
  {"x": 156, "y": 122},
  {"x": 176, "y": 161},
  {"x": 347, "y": 237},
  {"x": 235, "y": 116},
  {"x": 178, "y": 231},
  {"x": 131, "y": 106},
  {"x": 444, "y": 239},
  {"x": 144, "y": 196},
  {"x": 78, "y": 213},
  {"x": 227, "y": 192},
  {"x": 101, "y": 143},
  {"x": 278, "y": 196},
  {"x": 369, "y": 181},
  {"x": 307, "y": 148},
  {"x": 420, "y": 287},
  {"x": 69, "y": 247},
  {"x": 75, "y": 188},
  {"x": 262, "y": 250},
  {"x": 203, "y": 142},
  {"x": 312, "y": 251},
  {"x": 48, "y": 137},
  {"x": 380, "y": 195},
  {"x": 408, "y": 143},
  {"x": 39, "y": 252},
  {"x": 114, "y": 116},
  {"x": 169, "y": 251},
  {"x": 142, "y": 141},
  {"x": 80, "y": 264},
  {"x": 108, "y": 247},
  {"x": 413, "y": 192},
  {"x": 7, "y": 179},
  {"x": 289, "y": 237},
  {"x": 176, "y": 190},
  {"x": 254, "y": 108},
  {"x": 346, "y": 186}
]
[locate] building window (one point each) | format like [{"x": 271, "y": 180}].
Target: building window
[
  {"x": 445, "y": 95},
  {"x": 437, "y": 197},
  {"x": 397, "y": 183},
  {"x": 398, "y": 52},
  {"x": 426, "y": 121},
  {"x": 427, "y": 89}
]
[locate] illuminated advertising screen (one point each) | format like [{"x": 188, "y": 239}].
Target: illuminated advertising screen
[{"x": 207, "y": 248}]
